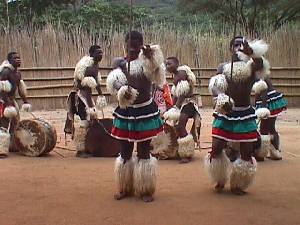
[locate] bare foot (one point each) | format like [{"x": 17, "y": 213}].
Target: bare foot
[
  {"x": 147, "y": 198},
  {"x": 184, "y": 160},
  {"x": 120, "y": 196},
  {"x": 238, "y": 191},
  {"x": 219, "y": 188}
]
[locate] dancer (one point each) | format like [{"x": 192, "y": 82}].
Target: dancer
[
  {"x": 137, "y": 118},
  {"x": 185, "y": 107},
  {"x": 235, "y": 119},
  {"x": 80, "y": 102}
]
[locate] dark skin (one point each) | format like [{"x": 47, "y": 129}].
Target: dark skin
[
  {"x": 144, "y": 87},
  {"x": 240, "y": 92},
  {"x": 179, "y": 75},
  {"x": 92, "y": 71},
  {"x": 14, "y": 77}
]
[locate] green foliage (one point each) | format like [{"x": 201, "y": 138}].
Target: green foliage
[
  {"x": 252, "y": 14},
  {"x": 93, "y": 16}
]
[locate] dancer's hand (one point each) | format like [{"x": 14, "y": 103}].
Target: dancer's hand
[
  {"x": 147, "y": 51},
  {"x": 246, "y": 48}
]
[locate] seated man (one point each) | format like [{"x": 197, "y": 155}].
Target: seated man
[{"x": 10, "y": 82}]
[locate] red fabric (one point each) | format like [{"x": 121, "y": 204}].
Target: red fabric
[
  {"x": 277, "y": 111},
  {"x": 235, "y": 136},
  {"x": 2, "y": 107},
  {"x": 167, "y": 95},
  {"x": 134, "y": 135}
]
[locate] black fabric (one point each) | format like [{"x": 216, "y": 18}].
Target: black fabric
[
  {"x": 133, "y": 113},
  {"x": 189, "y": 109}
]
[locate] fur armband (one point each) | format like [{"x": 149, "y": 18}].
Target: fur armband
[
  {"x": 10, "y": 112},
  {"x": 23, "y": 88},
  {"x": 259, "y": 86},
  {"x": 6, "y": 64},
  {"x": 81, "y": 67},
  {"x": 91, "y": 112},
  {"x": 259, "y": 48},
  {"x": 26, "y": 107},
  {"x": 262, "y": 113},
  {"x": 153, "y": 68},
  {"x": 191, "y": 76},
  {"x": 115, "y": 75},
  {"x": 222, "y": 101},
  {"x": 182, "y": 88},
  {"x": 172, "y": 114},
  {"x": 218, "y": 82},
  {"x": 241, "y": 70},
  {"x": 5, "y": 86},
  {"x": 89, "y": 82},
  {"x": 124, "y": 102}
]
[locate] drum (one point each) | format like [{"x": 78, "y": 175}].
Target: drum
[
  {"x": 35, "y": 137},
  {"x": 165, "y": 145},
  {"x": 4, "y": 143},
  {"x": 99, "y": 142}
]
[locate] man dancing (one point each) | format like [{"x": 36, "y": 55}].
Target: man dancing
[
  {"x": 274, "y": 101},
  {"x": 80, "y": 102},
  {"x": 137, "y": 117},
  {"x": 238, "y": 124},
  {"x": 185, "y": 107},
  {"x": 10, "y": 82}
]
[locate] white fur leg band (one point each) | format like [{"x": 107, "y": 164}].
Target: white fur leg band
[
  {"x": 186, "y": 148},
  {"x": 243, "y": 174},
  {"x": 259, "y": 86},
  {"x": 89, "y": 82},
  {"x": 124, "y": 175},
  {"x": 263, "y": 113},
  {"x": 218, "y": 168},
  {"x": 10, "y": 112},
  {"x": 172, "y": 114},
  {"x": 123, "y": 101},
  {"x": 5, "y": 86},
  {"x": 264, "y": 147},
  {"x": 144, "y": 176}
]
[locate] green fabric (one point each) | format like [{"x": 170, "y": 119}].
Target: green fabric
[
  {"x": 236, "y": 126},
  {"x": 143, "y": 125},
  {"x": 273, "y": 105}
]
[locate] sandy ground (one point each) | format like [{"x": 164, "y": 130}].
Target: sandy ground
[{"x": 63, "y": 190}]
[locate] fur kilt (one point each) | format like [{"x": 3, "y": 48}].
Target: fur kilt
[
  {"x": 275, "y": 103},
  {"x": 237, "y": 126},
  {"x": 137, "y": 123}
]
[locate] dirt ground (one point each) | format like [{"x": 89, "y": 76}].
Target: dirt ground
[{"x": 64, "y": 190}]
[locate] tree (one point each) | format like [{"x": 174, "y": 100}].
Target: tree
[{"x": 251, "y": 14}]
